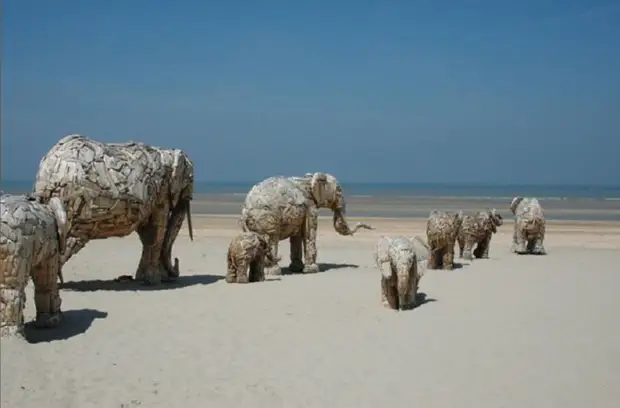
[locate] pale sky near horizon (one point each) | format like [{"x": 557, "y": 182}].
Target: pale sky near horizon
[{"x": 400, "y": 91}]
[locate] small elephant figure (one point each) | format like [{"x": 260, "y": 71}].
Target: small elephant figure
[
  {"x": 477, "y": 230},
  {"x": 248, "y": 255},
  {"x": 442, "y": 229},
  {"x": 32, "y": 239},
  {"x": 399, "y": 284},
  {"x": 530, "y": 226}
]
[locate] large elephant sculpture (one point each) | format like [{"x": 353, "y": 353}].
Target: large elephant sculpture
[
  {"x": 32, "y": 237},
  {"x": 287, "y": 208},
  {"x": 114, "y": 189}
]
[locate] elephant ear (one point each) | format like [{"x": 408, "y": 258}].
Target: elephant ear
[
  {"x": 320, "y": 188},
  {"x": 514, "y": 203}
]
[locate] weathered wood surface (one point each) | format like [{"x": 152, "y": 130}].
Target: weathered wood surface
[
  {"x": 114, "y": 189},
  {"x": 31, "y": 239},
  {"x": 287, "y": 208}
]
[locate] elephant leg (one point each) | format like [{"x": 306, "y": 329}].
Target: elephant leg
[
  {"x": 461, "y": 241},
  {"x": 46, "y": 297},
  {"x": 243, "y": 271},
  {"x": 384, "y": 292},
  {"x": 539, "y": 248},
  {"x": 14, "y": 271},
  {"x": 468, "y": 247},
  {"x": 274, "y": 269},
  {"x": 72, "y": 247},
  {"x": 310, "y": 241},
  {"x": 433, "y": 259},
  {"x": 297, "y": 263},
  {"x": 521, "y": 241},
  {"x": 231, "y": 273},
  {"x": 151, "y": 270},
  {"x": 448, "y": 258},
  {"x": 482, "y": 251},
  {"x": 258, "y": 274}
]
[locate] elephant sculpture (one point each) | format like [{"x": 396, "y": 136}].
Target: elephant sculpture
[
  {"x": 248, "y": 255},
  {"x": 400, "y": 283},
  {"x": 476, "y": 231},
  {"x": 442, "y": 229},
  {"x": 32, "y": 237},
  {"x": 114, "y": 189},
  {"x": 287, "y": 208},
  {"x": 529, "y": 227}
]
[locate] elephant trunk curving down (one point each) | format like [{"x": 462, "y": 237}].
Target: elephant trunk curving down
[{"x": 114, "y": 189}]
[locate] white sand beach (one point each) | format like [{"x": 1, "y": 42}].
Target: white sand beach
[{"x": 511, "y": 331}]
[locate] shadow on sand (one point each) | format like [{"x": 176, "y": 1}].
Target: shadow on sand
[
  {"x": 323, "y": 267},
  {"x": 455, "y": 265},
  {"x": 123, "y": 285},
  {"x": 74, "y": 323},
  {"x": 421, "y": 299}
]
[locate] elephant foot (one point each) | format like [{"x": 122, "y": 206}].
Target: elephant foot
[
  {"x": 467, "y": 256},
  {"x": 151, "y": 274},
  {"x": 12, "y": 330},
  {"x": 274, "y": 270},
  {"x": 520, "y": 249},
  {"x": 296, "y": 266},
  {"x": 231, "y": 279},
  {"x": 48, "y": 320},
  {"x": 539, "y": 250},
  {"x": 311, "y": 268}
]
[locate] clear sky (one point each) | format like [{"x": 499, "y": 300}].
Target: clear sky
[{"x": 491, "y": 91}]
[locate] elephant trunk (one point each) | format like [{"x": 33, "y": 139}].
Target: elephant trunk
[
  {"x": 342, "y": 227},
  {"x": 403, "y": 286},
  {"x": 173, "y": 226}
]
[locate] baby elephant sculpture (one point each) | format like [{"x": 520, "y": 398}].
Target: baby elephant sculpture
[
  {"x": 529, "y": 230},
  {"x": 441, "y": 231},
  {"x": 399, "y": 284},
  {"x": 248, "y": 255},
  {"x": 477, "y": 230},
  {"x": 32, "y": 237}
]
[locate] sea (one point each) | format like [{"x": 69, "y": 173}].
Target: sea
[{"x": 563, "y": 202}]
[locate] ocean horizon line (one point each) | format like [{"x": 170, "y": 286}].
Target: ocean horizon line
[{"x": 360, "y": 189}]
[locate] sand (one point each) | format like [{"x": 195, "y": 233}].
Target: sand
[{"x": 510, "y": 331}]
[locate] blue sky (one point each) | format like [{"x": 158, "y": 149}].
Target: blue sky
[{"x": 379, "y": 91}]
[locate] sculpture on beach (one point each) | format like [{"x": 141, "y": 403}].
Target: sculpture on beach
[
  {"x": 32, "y": 236},
  {"x": 287, "y": 208},
  {"x": 441, "y": 231},
  {"x": 248, "y": 254},
  {"x": 529, "y": 228},
  {"x": 400, "y": 282},
  {"x": 114, "y": 189},
  {"x": 476, "y": 231}
]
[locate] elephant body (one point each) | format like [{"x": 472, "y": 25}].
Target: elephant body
[
  {"x": 287, "y": 208},
  {"x": 476, "y": 231},
  {"x": 114, "y": 189},
  {"x": 400, "y": 283},
  {"x": 529, "y": 227},
  {"x": 441, "y": 231},
  {"x": 32, "y": 236},
  {"x": 248, "y": 254}
]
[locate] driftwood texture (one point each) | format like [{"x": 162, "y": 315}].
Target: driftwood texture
[
  {"x": 476, "y": 231},
  {"x": 529, "y": 227},
  {"x": 400, "y": 283},
  {"x": 248, "y": 254},
  {"x": 287, "y": 208},
  {"x": 32, "y": 236},
  {"x": 114, "y": 189},
  {"x": 442, "y": 229}
]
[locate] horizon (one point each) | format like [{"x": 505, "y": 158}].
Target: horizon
[{"x": 501, "y": 94}]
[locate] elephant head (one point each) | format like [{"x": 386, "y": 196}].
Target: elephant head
[
  {"x": 181, "y": 189},
  {"x": 327, "y": 193},
  {"x": 496, "y": 219},
  {"x": 514, "y": 204}
]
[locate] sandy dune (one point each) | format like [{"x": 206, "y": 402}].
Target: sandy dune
[{"x": 510, "y": 331}]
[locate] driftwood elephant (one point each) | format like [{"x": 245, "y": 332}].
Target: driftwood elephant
[
  {"x": 248, "y": 254},
  {"x": 476, "y": 231},
  {"x": 442, "y": 229},
  {"x": 400, "y": 283},
  {"x": 114, "y": 189},
  {"x": 529, "y": 227},
  {"x": 32, "y": 237},
  {"x": 287, "y": 208}
]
